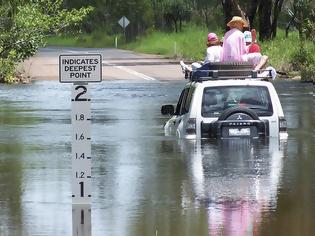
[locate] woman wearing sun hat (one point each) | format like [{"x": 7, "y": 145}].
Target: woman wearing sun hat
[{"x": 234, "y": 46}]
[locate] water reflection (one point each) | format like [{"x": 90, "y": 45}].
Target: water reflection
[
  {"x": 236, "y": 181},
  {"x": 145, "y": 183},
  {"x": 81, "y": 220}
]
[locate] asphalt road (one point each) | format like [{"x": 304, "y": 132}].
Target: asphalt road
[{"x": 117, "y": 64}]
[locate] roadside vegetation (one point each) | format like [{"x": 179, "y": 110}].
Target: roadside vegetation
[
  {"x": 284, "y": 52},
  {"x": 174, "y": 28},
  {"x": 24, "y": 26}
]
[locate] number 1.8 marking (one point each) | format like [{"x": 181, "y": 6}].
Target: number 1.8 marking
[{"x": 79, "y": 117}]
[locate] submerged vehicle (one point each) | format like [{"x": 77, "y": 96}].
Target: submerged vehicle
[{"x": 226, "y": 101}]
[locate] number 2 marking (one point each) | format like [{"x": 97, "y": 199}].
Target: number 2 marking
[{"x": 84, "y": 90}]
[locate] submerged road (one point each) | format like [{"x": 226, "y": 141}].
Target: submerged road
[
  {"x": 117, "y": 64},
  {"x": 143, "y": 182}
]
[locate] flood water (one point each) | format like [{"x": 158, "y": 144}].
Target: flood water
[{"x": 143, "y": 182}]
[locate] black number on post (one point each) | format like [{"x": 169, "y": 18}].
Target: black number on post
[
  {"x": 82, "y": 156},
  {"x": 81, "y": 175},
  {"x": 77, "y": 98},
  {"x": 79, "y": 117},
  {"x": 77, "y": 137},
  {"x": 81, "y": 189}
]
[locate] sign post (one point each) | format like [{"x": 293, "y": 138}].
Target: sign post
[
  {"x": 124, "y": 22},
  {"x": 81, "y": 70}
]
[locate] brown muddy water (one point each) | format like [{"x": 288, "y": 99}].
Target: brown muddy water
[{"x": 147, "y": 184}]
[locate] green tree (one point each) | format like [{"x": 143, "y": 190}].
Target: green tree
[
  {"x": 24, "y": 26},
  {"x": 302, "y": 13},
  {"x": 175, "y": 12},
  {"x": 209, "y": 11},
  {"x": 268, "y": 14},
  {"x": 303, "y": 19}
]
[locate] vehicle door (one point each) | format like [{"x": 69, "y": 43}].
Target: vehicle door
[{"x": 176, "y": 119}]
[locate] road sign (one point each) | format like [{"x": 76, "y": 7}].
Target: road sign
[
  {"x": 124, "y": 22},
  {"x": 80, "y": 68},
  {"x": 81, "y": 144}
]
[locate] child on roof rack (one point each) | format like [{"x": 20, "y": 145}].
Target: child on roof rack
[
  {"x": 254, "y": 55},
  {"x": 214, "y": 51}
]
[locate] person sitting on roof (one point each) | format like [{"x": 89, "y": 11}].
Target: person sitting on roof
[
  {"x": 254, "y": 55},
  {"x": 234, "y": 46},
  {"x": 214, "y": 51}
]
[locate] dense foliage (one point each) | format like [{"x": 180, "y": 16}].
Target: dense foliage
[{"x": 24, "y": 26}]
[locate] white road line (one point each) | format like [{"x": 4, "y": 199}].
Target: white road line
[{"x": 132, "y": 72}]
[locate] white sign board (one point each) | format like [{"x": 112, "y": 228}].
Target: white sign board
[
  {"x": 124, "y": 22},
  {"x": 80, "y": 68}
]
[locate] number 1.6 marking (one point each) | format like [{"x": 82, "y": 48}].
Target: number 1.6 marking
[{"x": 79, "y": 137}]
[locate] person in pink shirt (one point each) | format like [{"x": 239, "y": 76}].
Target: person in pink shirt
[{"x": 234, "y": 46}]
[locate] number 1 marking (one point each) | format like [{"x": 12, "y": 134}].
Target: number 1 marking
[{"x": 81, "y": 189}]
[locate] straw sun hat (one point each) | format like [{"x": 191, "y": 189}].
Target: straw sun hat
[{"x": 237, "y": 19}]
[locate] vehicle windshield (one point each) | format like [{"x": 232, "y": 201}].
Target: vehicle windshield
[{"x": 217, "y": 99}]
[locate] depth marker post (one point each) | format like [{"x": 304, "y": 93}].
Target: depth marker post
[
  {"x": 81, "y": 70},
  {"x": 81, "y": 143}
]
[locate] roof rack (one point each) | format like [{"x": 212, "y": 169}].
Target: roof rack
[{"x": 206, "y": 75}]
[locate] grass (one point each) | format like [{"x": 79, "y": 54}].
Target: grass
[
  {"x": 188, "y": 44},
  {"x": 97, "y": 39}
]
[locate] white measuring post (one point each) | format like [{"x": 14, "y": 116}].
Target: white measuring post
[
  {"x": 80, "y": 70},
  {"x": 81, "y": 144}
]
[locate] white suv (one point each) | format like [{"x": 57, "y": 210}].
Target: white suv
[{"x": 226, "y": 108}]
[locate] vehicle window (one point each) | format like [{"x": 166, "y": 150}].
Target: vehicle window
[
  {"x": 185, "y": 95},
  {"x": 186, "y": 105},
  {"x": 179, "y": 103},
  {"x": 182, "y": 98},
  {"x": 217, "y": 99}
]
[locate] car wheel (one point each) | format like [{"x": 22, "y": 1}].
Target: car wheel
[{"x": 238, "y": 113}]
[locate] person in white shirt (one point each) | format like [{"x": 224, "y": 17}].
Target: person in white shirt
[
  {"x": 214, "y": 52},
  {"x": 214, "y": 49}
]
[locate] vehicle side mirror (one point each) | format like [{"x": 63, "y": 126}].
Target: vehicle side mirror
[{"x": 167, "y": 110}]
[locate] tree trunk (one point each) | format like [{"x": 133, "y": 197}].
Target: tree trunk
[
  {"x": 288, "y": 26},
  {"x": 205, "y": 13},
  {"x": 264, "y": 11},
  {"x": 175, "y": 25},
  {"x": 276, "y": 10},
  {"x": 234, "y": 8},
  {"x": 252, "y": 13},
  {"x": 180, "y": 25},
  {"x": 231, "y": 8}
]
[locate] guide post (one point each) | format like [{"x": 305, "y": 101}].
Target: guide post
[{"x": 81, "y": 70}]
